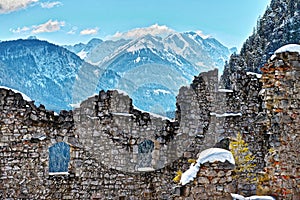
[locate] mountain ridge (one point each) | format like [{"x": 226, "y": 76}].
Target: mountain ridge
[
  {"x": 151, "y": 69},
  {"x": 46, "y": 72},
  {"x": 174, "y": 56},
  {"x": 209, "y": 43}
]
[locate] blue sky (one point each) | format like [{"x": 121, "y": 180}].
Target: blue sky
[{"x": 73, "y": 21}]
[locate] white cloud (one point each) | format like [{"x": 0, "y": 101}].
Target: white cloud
[
  {"x": 7, "y": 6},
  {"x": 140, "y": 32},
  {"x": 20, "y": 30},
  {"x": 49, "y": 26},
  {"x": 91, "y": 31},
  {"x": 204, "y": 36},
  {"x": 50, "y": 4}
]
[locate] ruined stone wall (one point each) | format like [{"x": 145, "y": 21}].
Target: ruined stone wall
[
  {"x": 119, "y": 152},
  {"x": 104, "y": 136},
  {"x": 114, "y": 132},
  {"x": 281, "y": 84},
  {"x": 28, "y": 132},
  {"x": 265, "y": 110},
  {"x": 246, "y": 94},
  {"x": 213, "y": 181}
]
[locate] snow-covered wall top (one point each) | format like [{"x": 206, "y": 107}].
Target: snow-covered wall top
[
  {"x": 208, "y": 155},
  {"x": 289, "y": 48}
]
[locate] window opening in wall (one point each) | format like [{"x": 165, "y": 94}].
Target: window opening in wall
[
  {"x": 145, "y": 149},
  {"x": 59, "y": 157}
]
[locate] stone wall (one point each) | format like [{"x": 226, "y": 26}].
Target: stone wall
[
  {"x": 104, "y": 135},
  {"x": 214, "y": 181},
  {"x": 27, "y": 133},
  {"x": 113, "y": 131},
  {"x": 119, "y": 152},
  {"x": 281, "y": 84}
]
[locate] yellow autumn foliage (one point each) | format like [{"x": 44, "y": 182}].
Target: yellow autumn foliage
[
  {"x": 178, "y": 176},
  {"x": 192, "y": 160},
  {"x": 243, "y": 160}
]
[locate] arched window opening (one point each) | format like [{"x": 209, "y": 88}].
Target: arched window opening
[
  {"x": 146, "y": 146},
  {"x": 145, "y": 149},
  {"x": 59, "y": 157}
]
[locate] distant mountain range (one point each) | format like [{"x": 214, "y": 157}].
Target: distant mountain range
[{"x": 150, "y": 68}]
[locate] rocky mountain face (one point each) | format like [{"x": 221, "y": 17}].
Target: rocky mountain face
[
  {"x": 45, "y": 72},
  {"x": 151, "y": 68},
  {"x": 279, "y": 25}
]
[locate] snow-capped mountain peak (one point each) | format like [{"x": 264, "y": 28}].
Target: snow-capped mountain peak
[
  {"x": 202, "y": 35},
  {"x": 152, "y": 59},
  {"x": 146, "y": 42},
  {"x": 154, "y": 30}
]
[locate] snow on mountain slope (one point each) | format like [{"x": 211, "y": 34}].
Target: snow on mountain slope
[
  {"x": 143, "y": 61},
  {"x": 202, "y": 53},
  {"x": 139, "y": 65},
  {"x": 104, "y": 50},
  {"x": 150, "y": 68},
  {"x": 190, "y": 49},
  {"x": 82, "y": 50}
]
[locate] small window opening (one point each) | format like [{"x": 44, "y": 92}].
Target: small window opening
[{"x": 59, "y": 157}]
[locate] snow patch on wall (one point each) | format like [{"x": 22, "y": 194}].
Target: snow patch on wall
[
  {"x": 75, "y": 105},
  {"x": 289, "y": 48},
  {"x": 58, "y": 173},
  {"x": 255, "y": 74},
  {"x": 225, "y": 90},
  {"x": 240, "y": 197},
  {"x": 208, "y": 155},
  {"x": 226, "y": 114}
]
